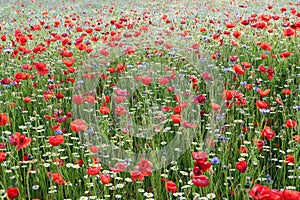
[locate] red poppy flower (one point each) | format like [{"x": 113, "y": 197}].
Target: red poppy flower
[
  {"x": 56, "y": 127},
  {"x": 289, "y": 159},
  {"x": 80, "y": 47},
  {"x": 215, "y": 107},
  {"x": 168, "y": 46},
  {"x": 41, "y": 68},
  {"x": 129, "y": 51},
  {"x": 263, "y": 193},
  {"x": 146, "y": 80},
  {"x": 25, "y": 156},
  {"x": 96, "y": 160},
  {"x": 165, "y": 108},
  {"x": 69, "y": 63},
  {"x": 270, "y": 72},
  {"x": 201, "y": 167},
  {"x": 246, "y": 64},
  {"x": 22, "y": 76},
  {"x": 245, "y": 22},
  {"x": 78, "y": 99},
  {"x": 79, "y": 162},
  {"x": 56, "y": 140},
  {"x": 227, "y": 94},
  {"x": 259, "y": 144},
  {"x": 268, "y": 133},
  {"x": 78, "y": 125},
  {"x": 120, "y": 110},
  {"x": 262, "y": 104},
  {"x": 94, "y": 149},
  {"x": 2, "y": 156},
  {"x": 286, "y": 91},
  {"x": 177, "y": 109},
  {"x": 242, "y": 166},
  {"x": 93, "y": 170},
  {"x": 248, "y": 86},
  {"x": 121, "y": 92},
  {"x": 171, "y": 88},
  {"x": 59, "y": 95},
  {"x": 243, "y": 149},
  {"x": 104, "y": 52},
  {"x": 230, "y": 25},
  {"x": 56, "y": 177},
  {"x": 120, "y": 68},
  {"x": 262, "y": 69},
  {"x": 187, "y": 124},
  {"x": 200, "y": 99},
  {"x": 136, "y": 175},
  {"x": 290, "y": 124},
  {"x": 176, "y": 118},
  {"x": 266, "y": 46},
  {"x": 206, "y": 76},
  {"x": 234, "y": 43},
  {"x": 238, "y": 69},
  {"x": 119, "y": 167},
  {"x": 163, "y": 81},
  {"x": 104, "y": 110},
  {"x": 20, "y": 141},
  {"x": 145, "y": 167},
  {"x": 214, "y": 56},
  {"x": 201, "y": 181},
  {"x": 91, "y": 99},
  {"x": 290, "y": 195},
  {"x": 297, "y": 23},
  {"x": 120, "y": 99},
  {"x": 2, "y": 145},
  {"x": 263, "y": 93},
  {"x": 23, "y": 40},
  {"x": 200, "y": 156},
  {"x": 288, "y": 32},
  {"x": 285, "y": 54},
  {"x": 105, "y": 179},
  {"x": 265, "y": 17},
  {"x": 237, "y": 34},
  {"x": 171, "y": 186},
  {"x": 48, "y": 95},
  {"x": 3, "y": 38},
  {"x": 12, "y": 193},
  {"x": 260, "y": 25},
  {"x": 3, "y": 119},
  {"x": 196, "y": 45}
]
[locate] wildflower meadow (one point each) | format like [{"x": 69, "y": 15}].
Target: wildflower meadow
[{"x": 159, "y": 99}]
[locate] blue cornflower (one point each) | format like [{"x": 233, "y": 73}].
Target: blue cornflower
[
  {"x": 243, "y": 83},
  {"x": 80, "y": 82},
  {"x": 227, "y": 69},
  {"x": 223, "y": 138},
  {"x": 8, "y": 50},
  {"x": 215, "y": 160},
  {"x": 202, "y": 59},
  {"x": 90, "y": 131},
  {"x": 264, "y": 111}
]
